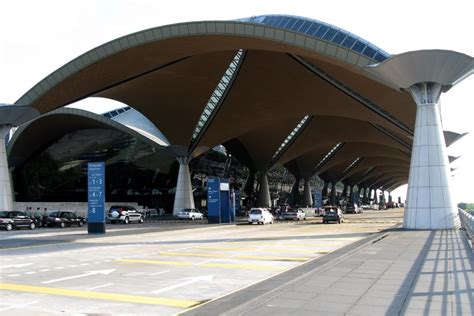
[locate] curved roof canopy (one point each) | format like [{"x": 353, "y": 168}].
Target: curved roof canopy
[{"x": 273, "y": 89}]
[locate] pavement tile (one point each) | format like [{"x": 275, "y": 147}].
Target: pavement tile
[
  {"x": 298, "y": 295},
  {"x": 286, "y": 302},
  {"x": 340, "y": 298},
  {"x": 328, "y": 307},
  {"x": 373, "y": 310}
]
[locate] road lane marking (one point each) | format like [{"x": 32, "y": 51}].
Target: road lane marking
[
  {"x": 99, "y": 287},
  {"x": 184, "y": 283},
  {"x": 30, "y": 272},
  {"x": 271, "y": 258},
  {"x": 18, "y": 265},
  {"x": 157, "y": 262},
  {"x": 223, "y": 248},
  {"x": 265, "y": 258},
  {"x": 100, "y": 295},
  {"x": 45, "y": 270},
  {"x": 104, "y": 272},
  {"x": 13, "y": 275},
  {"x": 206, "y": 265},
  {"x": 241, "y": 266},
  {"x": 161, "y": 272},
  {"x": 188, "y": 254},
  {"x": 17, "y": 306}
]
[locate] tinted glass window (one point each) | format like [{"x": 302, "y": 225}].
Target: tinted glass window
[
  {"x": 369, "y": 52},
  {"x": 297, "y": 25},
  {"x": 255, "y": 212},
  {"x": 313, "y": 28},
  {"x": 348, "y": 41},
  {"x": 379, "y": 57},
  {"x": 322, "y": 30},
  {"x": 305, "y": 26},
  {"x": 290, "y": 23},
  {"x": 20, "y": 214},
  {"x": 329, "y": 34},
  {"x": 339, "y": 38},
  {"x": 277, "y": 21},
  {"x": 359, "y": 46},
  {"x": 3, "y": 214}
]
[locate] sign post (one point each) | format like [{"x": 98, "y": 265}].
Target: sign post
[
  {"x": 96, "y": 198},
  {"x": 219, "y": 207}
]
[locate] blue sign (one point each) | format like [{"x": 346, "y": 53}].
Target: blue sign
[
  {"x": 213, "y": 200},
  {"x": 96, "y": 192},
  {"x": 318, "y": 199},
  {"x": 219, "y": 206}
]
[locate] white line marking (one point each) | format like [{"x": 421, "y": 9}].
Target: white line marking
[
  {"x": 189, "y": 281},
  {"x": 98, "y": 287},
  {"x": 19, "y": 265},
  {"x": 97, "y": 262},
  {"x": 161, "y": 272},
  {"x": 13, "y": 275},
  {"x": 104, "y": 272},
  {"x": 16, "y": 306},
  {"x": 72, "y": 265},
  {"x": 30, "y": 272},
  {"x": 45, "y": 270},
  {"x": 58, "y": 268},
  {"x": 84, "y": 264}
]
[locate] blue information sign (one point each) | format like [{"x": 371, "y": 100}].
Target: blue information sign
[
  {"x": 213, "y": 200},
  {"x": 96, "y": 192},
  {"x": 318, "y": 199}
]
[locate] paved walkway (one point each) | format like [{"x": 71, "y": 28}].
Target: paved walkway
[{"x": 392, "y": 273}]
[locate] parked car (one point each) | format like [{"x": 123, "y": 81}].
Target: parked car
[
  {"x": 353, "y": 208},
  {"x": 191, "y": 214},
  {"x": 124, "y": 214},
  {"x": 333, "y": 214},
  {"x": 63, "y": 219},
  {"x": 297, "y": 215},
  {"x": 13, "y": 219},
  {"x": 260, "y": 216}
]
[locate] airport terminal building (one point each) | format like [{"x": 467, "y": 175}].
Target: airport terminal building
[{"x": 269, "y": 101}]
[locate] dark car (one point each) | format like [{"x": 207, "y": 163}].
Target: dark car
[
  {"x": 333, "y": 214},
  {"x": 63, "y": 219},
  {"x": 15, "y": 219}
]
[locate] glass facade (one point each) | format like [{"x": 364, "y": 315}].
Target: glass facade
[{"x": 322, "y": 31}]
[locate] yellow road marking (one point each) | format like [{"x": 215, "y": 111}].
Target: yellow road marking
[
  {"x": 215, "y": 255},
  {"x": 223, "y": 248},
  {"x": 100, "y": 295},
  {"x": 158, "y": 262},
  {"x": 272, "y": 258},
  {"x": 206, "y": 265},
  {"x": 241, "y": 266},
  {"x": 187, "y": 254},
  {"x": 265, "y": 249},
  {"x": 315, "y": 244}
]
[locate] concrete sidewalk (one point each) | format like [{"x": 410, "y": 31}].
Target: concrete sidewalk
[{"x": 393, "y": 273}]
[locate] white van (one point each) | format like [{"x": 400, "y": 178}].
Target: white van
[{"x": 260, "y": 216}]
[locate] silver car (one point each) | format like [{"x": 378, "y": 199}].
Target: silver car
[{"x": 124, "y": 214}]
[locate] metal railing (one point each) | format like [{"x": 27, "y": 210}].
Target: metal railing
[{"x": 467, "y": 222}]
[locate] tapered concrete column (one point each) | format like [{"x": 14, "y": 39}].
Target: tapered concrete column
[
  {"x": 6, "y": 196},
  {"x": 295, "y": 191},
  {"x": 429, "y": 200},
  {"x": 249, "y": 183},
  {"x": 376, "y": 198},
  {"x": 184, "y": 192},
  {"x": 333, "y": 193},
  {"x": 425, "y": 74},
  {"x": 308, "y": 199},
  {"x": 264, "y": 199},
  {"x": 325, "y": 189},
  {"x": 344, "y": 191}
]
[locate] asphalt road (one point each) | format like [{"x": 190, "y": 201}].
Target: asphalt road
[{"x": 159, "y": 268}]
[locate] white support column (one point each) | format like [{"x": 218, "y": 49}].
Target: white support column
[
  {"x": 429, "y": 201},
  {"x": 308, "y": 199},
  {"x": 6, "y": 196},
  {"x": 184, "y": 192},
  {"x": 264, "y": 199}
]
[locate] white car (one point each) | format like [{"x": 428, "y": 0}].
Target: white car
[
  {"x": 260, "y": 216},
  {"x": 191, "y": 214}
]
